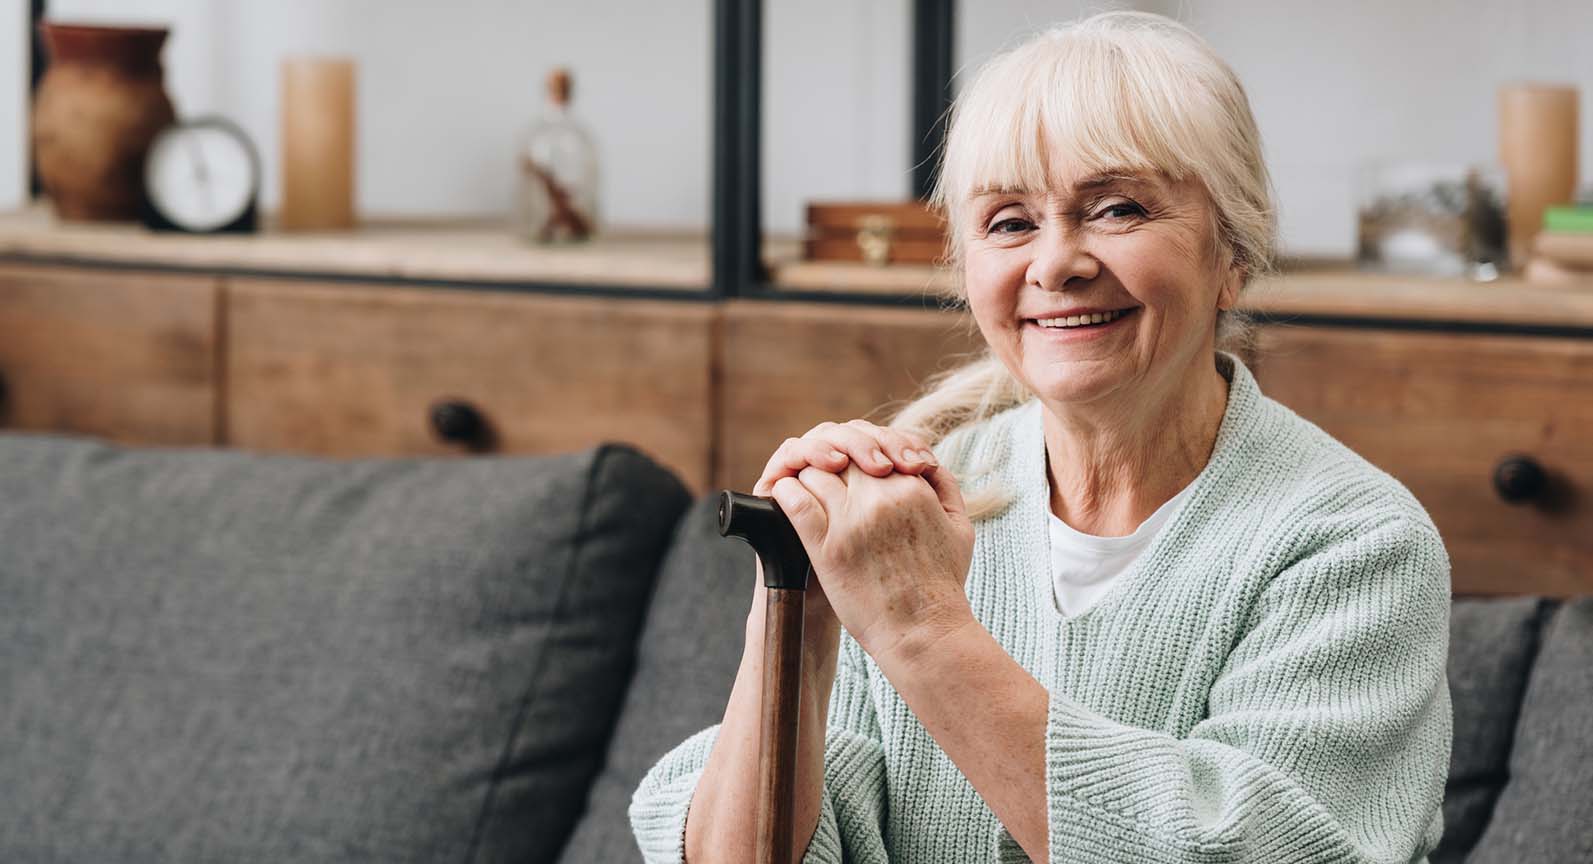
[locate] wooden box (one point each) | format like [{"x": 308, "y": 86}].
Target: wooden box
[{"x": 877, "y": 232}]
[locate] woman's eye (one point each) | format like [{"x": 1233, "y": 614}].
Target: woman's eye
[
  {"x": 1124, "y": 210},
  {"x": 1009, "y": 226}
]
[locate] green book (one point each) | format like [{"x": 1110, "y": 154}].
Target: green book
[{"x": 1569, "y": 220}]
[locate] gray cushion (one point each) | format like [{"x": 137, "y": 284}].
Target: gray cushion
[
  {"x": 1545, "y": 813},
  {"x": 688, "y": 654},
  {"x": 221, "y": 656},
  {"x": 1492, "y": 643}
]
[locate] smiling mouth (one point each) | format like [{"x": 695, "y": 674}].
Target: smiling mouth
[{"x": 1082, "y": 322}]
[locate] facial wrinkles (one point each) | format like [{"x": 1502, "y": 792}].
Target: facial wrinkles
[
  {"x": 1065, "y": 228},
  {"x": 1069, "y": 198},
  {"x": 1151, "y": 206},
  {"x": 1077, "y": 209}
]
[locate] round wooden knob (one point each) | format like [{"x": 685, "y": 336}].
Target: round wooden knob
[
  {"x": 459, "y": 422},
  {"x": 1518, "y": 478}
]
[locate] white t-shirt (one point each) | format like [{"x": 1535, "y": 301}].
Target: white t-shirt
[{"x": 1084, "y": 567}]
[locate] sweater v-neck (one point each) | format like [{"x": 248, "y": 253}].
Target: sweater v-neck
[
  {"x": 1086, "y": 566},
  {"x": 1030, "y": 516}
]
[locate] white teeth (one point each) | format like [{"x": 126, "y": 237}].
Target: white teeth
[{"x": 1080, "y": 320}]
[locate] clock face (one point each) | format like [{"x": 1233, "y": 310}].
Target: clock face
[{"x": 201, "y": 176}]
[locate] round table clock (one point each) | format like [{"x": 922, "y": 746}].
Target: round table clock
[{"x": 202, "y": 176}]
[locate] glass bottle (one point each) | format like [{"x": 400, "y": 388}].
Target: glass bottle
[{"x": 556, "y": 201}]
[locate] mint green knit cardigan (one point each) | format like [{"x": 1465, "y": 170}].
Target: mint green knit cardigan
[{"x": 1266, "y": 685}]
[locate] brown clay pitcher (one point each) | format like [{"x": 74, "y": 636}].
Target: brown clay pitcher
[{"x": 100, "y": 103}]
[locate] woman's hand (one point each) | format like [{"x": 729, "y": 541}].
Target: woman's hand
[
  {"x": 892, "y": 552},
  {"x": 878, "y": 450}
]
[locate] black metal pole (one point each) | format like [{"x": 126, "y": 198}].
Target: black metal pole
[
  {"x": 737, "y": 208},
  {"x": 37, "y": 64},
  {"x": 932, "y": 71}
]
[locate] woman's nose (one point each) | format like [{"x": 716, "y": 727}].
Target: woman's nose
[{"x": 1060, "y": 260}]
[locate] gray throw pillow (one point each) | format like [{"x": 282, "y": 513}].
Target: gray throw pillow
[
  {"x": 1545, "y": 813},
  {"x": 212, "y": 655},
  {"x": 1492, "y": 642},
  {"x": 687, "y": 658}
]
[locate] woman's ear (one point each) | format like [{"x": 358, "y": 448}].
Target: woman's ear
[
  {"x": 1230, "y": 266},
  {"x": 1233, "y": 279},
  {"x": 1230, "y": 275}
]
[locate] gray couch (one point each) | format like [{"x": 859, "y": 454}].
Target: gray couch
[{"x": 211, "y": 655}]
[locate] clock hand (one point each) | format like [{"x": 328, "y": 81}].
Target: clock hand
[{"x": 201, "y": 170}]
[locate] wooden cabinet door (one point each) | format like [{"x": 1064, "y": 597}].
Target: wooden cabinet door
[
  {"x": 1440, "y": 411},
  {"x": 125, "y": 356},
  {"x": 786, "y": 367},
  {"x": 358, "y": 370}
]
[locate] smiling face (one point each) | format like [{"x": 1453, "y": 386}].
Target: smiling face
[{"x": 1101, "y": 287}]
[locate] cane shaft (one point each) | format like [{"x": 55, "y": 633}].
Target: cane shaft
[{"x": 777, "y": 747}]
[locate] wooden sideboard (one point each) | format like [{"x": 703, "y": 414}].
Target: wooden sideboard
[
  {"x": 133, "y": 357},
  {"x": 1446, "y": 413},
  {"x": 1444, "y": 385},
  {"x": 357, "y": 369}
]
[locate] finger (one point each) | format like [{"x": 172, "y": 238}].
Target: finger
[
  {"x": 946, "y": 489},
  {"x": 862, "y": 448},
  {"x": 909, "y": 452},
  {"x": 789, "y": 458},
  {"x": 792, "y": 456},
  {"x": 804, "y": 510},
  {"x": 829, "y": 488}
]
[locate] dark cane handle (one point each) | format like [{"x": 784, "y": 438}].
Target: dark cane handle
[
  {"x": 765, "y": 527},
  {"x": 1518, "y": 478}
]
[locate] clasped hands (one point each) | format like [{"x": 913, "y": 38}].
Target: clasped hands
[{"x": 885, "y": 528}]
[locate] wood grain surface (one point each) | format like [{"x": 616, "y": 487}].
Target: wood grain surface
[
  {"x": 347, "y": 370},
  {"x": 457, "y": 249},
  {"x": 1439, "y": 411},
  {"x": 128, "y": 357}
]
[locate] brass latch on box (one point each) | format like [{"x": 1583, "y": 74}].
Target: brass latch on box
[{"x": 874, "y": 238}]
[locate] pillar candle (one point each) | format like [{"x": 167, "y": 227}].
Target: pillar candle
[
  {"x": 317, "y": 144},
  {"x": 1537, "y": 144}
]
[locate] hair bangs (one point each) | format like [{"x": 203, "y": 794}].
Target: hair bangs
[{"x": 1080, "y": 111}]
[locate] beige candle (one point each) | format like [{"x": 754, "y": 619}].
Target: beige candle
[
  {"x": 317, "y": 144},
  {"x": 1537, "y": 144}
]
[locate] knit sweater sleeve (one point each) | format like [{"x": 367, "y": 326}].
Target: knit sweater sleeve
[
  {"x": 1326, "y": 737},
  {"x": 852, "y": 810}
]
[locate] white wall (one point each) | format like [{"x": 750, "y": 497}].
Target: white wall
[
  {"x": 837, "y": 104},
  {"x": 13, "y": 102},
  {"x": 445, "y": 87}
]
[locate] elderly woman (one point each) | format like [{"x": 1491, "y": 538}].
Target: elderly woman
[{"x": 1170, "y": 620}]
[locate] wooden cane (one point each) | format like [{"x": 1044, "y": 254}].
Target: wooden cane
[{"x": 762, "y": 524}]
